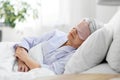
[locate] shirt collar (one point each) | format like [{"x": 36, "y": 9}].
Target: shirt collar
[{"x": 68, "y": 48}]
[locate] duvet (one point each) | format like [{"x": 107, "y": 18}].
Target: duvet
[{"x": 8, "y": 64}]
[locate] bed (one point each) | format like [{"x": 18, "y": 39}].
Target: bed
[
  {"x": 8, "y": 62},
  {"x": 8, "y": 65}
]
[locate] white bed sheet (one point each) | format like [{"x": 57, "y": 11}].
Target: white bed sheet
[
  {"x": 7, "y": 63},
  {"x": 103, "y": 68}
]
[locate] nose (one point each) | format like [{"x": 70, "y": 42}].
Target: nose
[
  {"x": 74, "y": 29},
  {"x": 86, "y": 22}
]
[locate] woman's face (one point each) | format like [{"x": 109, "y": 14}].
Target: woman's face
[{"x": 73, "y": 36}]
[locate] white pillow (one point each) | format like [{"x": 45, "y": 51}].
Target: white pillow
[
  {"x": 91, "y": 52},
  {"x": 113, "y": 57},
  {"x": 36, "y": 53}
]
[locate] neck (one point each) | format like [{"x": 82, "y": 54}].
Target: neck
[{"x": 67, "y": 43}]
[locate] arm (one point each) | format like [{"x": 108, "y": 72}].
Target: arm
[
  {"x": 57, "y": 66},
  {"x": 24, "y": 60},
  {"x": 22, "y": 67},
  {"x": 29, "y": 42},
  {"x": 31, "y": 63}
]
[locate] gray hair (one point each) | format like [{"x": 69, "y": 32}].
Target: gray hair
[{"x": 94, "y": 24}]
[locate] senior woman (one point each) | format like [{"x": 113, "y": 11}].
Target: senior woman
[{"x": 57, "y": 47}]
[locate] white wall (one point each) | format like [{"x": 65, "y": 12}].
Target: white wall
[
  {"x": 105, "y": 13},
  {"x": 65, "y": 11},
  {"x": 88, "y": 8},
  {"x": 80, "y": 9},
  {"x": 72, "y": 11}
]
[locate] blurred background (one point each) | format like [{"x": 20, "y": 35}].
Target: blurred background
[{"x": 41, "y": 16}]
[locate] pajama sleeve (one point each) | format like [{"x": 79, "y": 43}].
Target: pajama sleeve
[{"x": 30, "y": 42}]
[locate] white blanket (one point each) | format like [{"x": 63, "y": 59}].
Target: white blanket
[{"x": 7, "y": 64}]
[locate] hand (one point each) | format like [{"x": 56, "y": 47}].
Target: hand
[
  {"x": 21, "y": 54},
  {"x": 22, "y": 67}
]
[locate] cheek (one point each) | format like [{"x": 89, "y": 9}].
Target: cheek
[
  {"x": 78, "y": 41},
  {"x": 69, "y": 36}
]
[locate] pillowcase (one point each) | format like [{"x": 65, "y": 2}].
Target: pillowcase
[
  {"x": 91, "y": 52},
  {"x": 113, "y": 57},
  {"x": 36, "y": 53}
]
